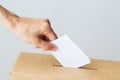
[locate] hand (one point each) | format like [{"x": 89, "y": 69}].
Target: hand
[{"x": 37, "y": 32}]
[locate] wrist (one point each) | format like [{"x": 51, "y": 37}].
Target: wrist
[{"x": 12, "y": 22}]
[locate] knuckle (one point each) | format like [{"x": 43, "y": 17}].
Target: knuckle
[
  {"x": 46, "y": 24},
  {"x": 35, "y": 40},
  {"x": 46, "y": 47},
  {"x": 46, "y": 19}
]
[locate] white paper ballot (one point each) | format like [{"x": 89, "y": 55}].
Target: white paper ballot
[{"x": 68, "y": 54}]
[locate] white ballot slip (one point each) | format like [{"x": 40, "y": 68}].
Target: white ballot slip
[{"x": 69, "y": 54}]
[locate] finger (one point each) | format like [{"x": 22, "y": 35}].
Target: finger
[
  {"x": 51, "y": 35},
  {"x": 36, "y": 46},
  {"x": 44, "y": 45}
]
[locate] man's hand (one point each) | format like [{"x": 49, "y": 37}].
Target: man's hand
[{"x": 36, "y": 31}]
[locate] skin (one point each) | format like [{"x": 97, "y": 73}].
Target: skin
[{"x": 34, "y": 31}]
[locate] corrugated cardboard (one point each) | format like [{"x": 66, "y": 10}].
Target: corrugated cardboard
[{"x": 29, "y": 66}]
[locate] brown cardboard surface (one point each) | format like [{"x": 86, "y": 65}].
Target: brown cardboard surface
[{"x": 29, "y": 66}]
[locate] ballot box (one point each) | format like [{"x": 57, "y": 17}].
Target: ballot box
[{"x": 36, "y": 66}]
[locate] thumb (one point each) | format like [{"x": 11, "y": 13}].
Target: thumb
[
  {"x": 50, "y": 34},
  {"x": 44, "y": 45}
]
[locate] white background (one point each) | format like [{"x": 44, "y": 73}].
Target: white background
[{"x": 94, "y": 25}]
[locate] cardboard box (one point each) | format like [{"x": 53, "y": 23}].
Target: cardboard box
[{"x": 29, "y": 66}]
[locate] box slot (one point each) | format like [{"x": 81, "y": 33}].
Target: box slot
[{"x": 78, "y": 67}]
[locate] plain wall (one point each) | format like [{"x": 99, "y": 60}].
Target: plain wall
[{"x": 94, "y": 25}]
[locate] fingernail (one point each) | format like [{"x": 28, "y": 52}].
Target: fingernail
[
  {"x": 36, "y": 47},
  {"x": 54, "y": 47}
]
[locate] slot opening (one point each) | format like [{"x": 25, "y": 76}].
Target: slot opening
[{"x": 88, "y": 68}]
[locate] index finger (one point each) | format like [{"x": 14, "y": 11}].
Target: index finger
[{"x": 51, "y": 35}]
